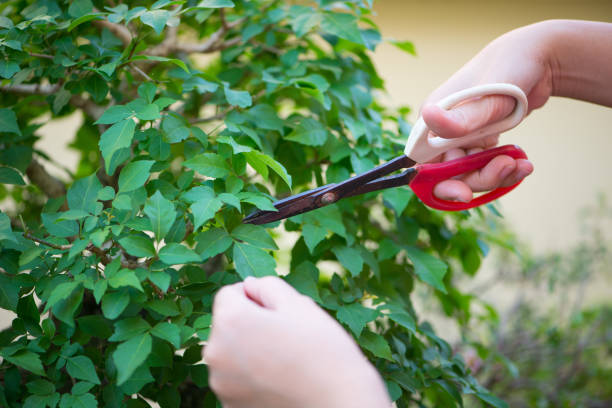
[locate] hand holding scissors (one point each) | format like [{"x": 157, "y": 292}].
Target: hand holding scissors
[{"x": 420, "y": 176}]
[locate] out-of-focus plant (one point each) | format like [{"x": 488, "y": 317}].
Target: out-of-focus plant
[{"x": 553, "y": 346}]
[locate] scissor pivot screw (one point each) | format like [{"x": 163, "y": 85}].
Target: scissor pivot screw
[{"x": 329, "y": 198}]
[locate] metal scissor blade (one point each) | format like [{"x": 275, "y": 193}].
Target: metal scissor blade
[
  {"x": 287, "y": 207},
  {"x": 330, "y": 193}
]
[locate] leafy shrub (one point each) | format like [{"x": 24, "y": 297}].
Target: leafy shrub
[
  {"x": 552, "y": 347},
  {"x": 194, "y": 114}
]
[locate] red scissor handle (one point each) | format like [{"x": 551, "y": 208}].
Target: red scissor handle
[{"x": 428, "y": 175}]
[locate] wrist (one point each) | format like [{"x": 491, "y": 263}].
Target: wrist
[
  {"x": 363, "y": 388},
  {"x": 577, "y": 53}
]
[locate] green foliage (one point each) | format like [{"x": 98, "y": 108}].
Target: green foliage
[
  {"x": 112, "y": 270},
  {"x": 551, "y": 348}
]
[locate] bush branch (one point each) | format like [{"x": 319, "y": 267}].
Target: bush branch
[
  {"x": 120, "y": 31},
  {"x": 212, "y": 44},
  {"x": 46, "y": 243},
  {"x": 38, "y": 175},
  {"x": 31, "y": 89}
]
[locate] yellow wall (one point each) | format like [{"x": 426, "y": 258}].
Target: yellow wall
[{"x": 568, "y": 141}]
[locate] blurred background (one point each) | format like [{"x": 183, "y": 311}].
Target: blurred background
[{"x": 554, "y": 282}]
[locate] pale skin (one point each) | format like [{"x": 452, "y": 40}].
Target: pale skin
[{"x": 272, "y": 347}]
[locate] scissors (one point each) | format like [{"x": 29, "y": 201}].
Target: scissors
[{"x": 420, "y": 176}]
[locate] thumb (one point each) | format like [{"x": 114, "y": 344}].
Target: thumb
[
  {"x": 269, "y": 292},
  {"x": 468, "y": 116}
]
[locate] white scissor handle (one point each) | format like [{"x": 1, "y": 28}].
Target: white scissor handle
[{"x": 422, "y": 148}]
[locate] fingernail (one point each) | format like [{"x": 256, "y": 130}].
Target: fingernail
[
  {"x": 249, "y": 278},
  {"x": 506, "y": 171}
]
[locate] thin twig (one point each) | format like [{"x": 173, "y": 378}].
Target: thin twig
[
  {"x": 46, "y": 243},
  {"x": 37, "y": 55},
  {"x": 210, "y": 45},
  {"x": 31, "y": 89},
  {"x": 141, "y": 72},
  {"x": 218, "y": 116}
]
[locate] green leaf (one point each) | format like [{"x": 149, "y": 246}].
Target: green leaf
[
  {"x": 175, "y": 61},
  {"x": 6, "y": 22},
  {"x": 6, "y": 232},
  {"x": 28, "y": 361},
  {"x": 212, "y": 242},
  {"x": 81, "y": 387},
  {"x": 81, "y": 368},
  {"x": 492, "y": 400},
  {"x": 376, "y": 344},
  {"x": 303, "y": 19},
  {"x": 148, "y": 112},
  {"x": 41, "y": 387},
  {"x": 398, "y": 198},
  {"x": 208, "y": 164},
  {"x": 313, "y": 234},
  {"x": 204, "y": 209},
  {"x": 257, "y": 199},
  {"x": 164, "y": 307},
  {"x": 83, "y": 19},
  {"x": 138, "y": 380},
  {"x": 156, "y": 19},
  {"x": 265, "y": 117},
  {"x": 130, "y": 355},
  {"x": 58, "y": 228},
  {"x": 252, "y": 261},
  {"x": 83, "y": 194},
  {"x": 8, "y": 122},
  {"x": 162, "y": 214},
  {"x": 309, "y": 132},
  {"x": 230, "y": 199},
  {"x": 304, "y": 279},
  {"x": 97, "y": 87},
  {"x": 428, "y": 268},
  {"x": 127, "y": 328},
  {"x": 61, "y": 292},
  {"x": 387, "y": 249},
  {"x": 174, "y": 254},
  {"x": 116, "y": 137},
  {"x": 169, "y": 332},
  {"x": 161, "y": 279},
  {"x": 138, "y": 245},
  {"x": 404, "y": 319},
  {"x": 79, "y": 8},
  {"x": 8, "y": 68},
  {"x": 9, "y": 292},
  {"x": 78, "y": 401},
  {"x": 215, "y": 3},
  {"x": 356, "y": 316},
  {"x": 350, "y": 258},
  {"x": 114, "y": 114},
  {"x": 134, "y": 175},
  {"x": 256, "y": 159},
  {"x": 9, "y": 175},
  {"x": 254, "y": 235},
  {"x": 147, "y": 91},
  {"x": 114, "y": 303},
  {"x": 406, "y": 46},
  {"x": 242, "y": 99},
  {"x": 342, "y": 25},
  {"x": 60, "y": 100},
  {"x": 125, "y": 277},
  {"x": 199, "y": 375}
]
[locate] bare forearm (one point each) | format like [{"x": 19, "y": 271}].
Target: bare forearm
[{"x": 580, "y": 58}]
